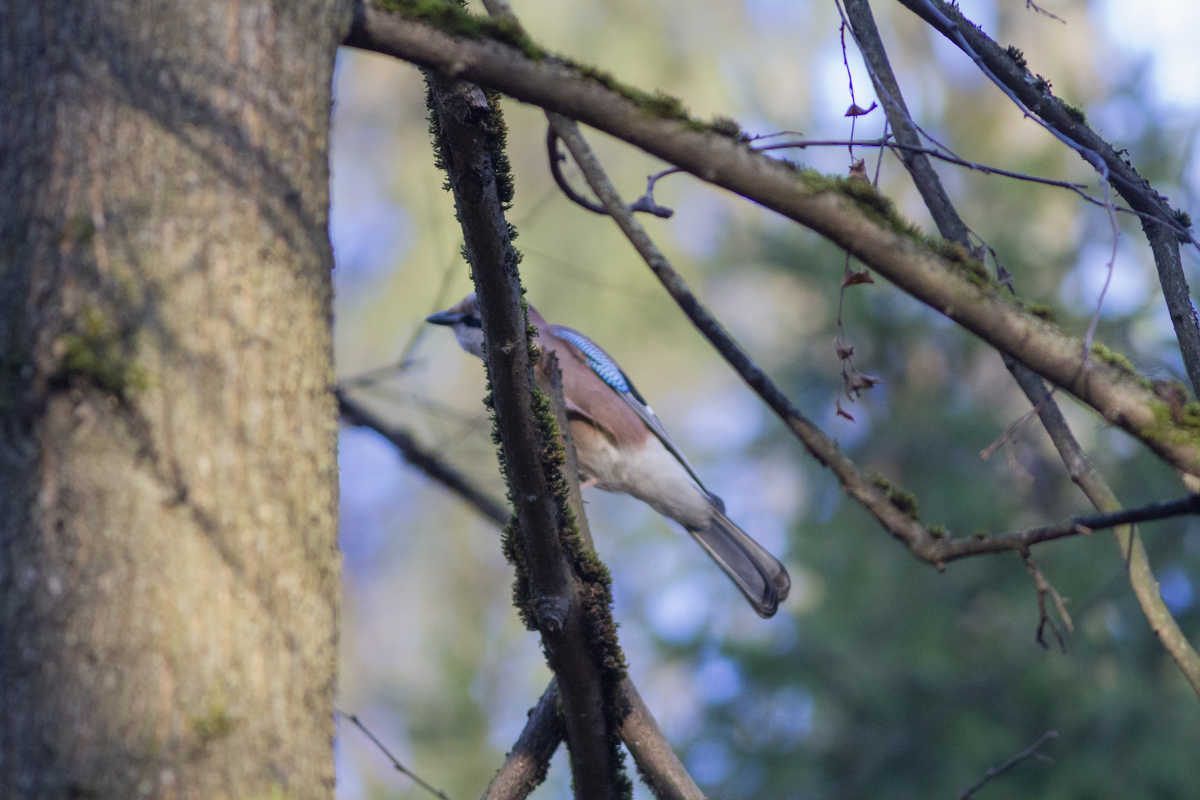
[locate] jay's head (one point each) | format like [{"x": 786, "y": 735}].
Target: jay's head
[{"x": 464, "y": 319}]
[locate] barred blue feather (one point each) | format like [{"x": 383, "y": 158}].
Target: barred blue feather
[{"x": 597, "y": 359}]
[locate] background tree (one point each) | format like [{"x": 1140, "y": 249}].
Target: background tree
[
  {"x": 886, "y": 679},
  {"x": 168, "y": 569}
]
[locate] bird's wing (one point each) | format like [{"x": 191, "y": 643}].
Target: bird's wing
[{"x": 606, "y": 369}]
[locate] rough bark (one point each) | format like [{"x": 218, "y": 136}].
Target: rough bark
[{"x": 168, "y": 557}]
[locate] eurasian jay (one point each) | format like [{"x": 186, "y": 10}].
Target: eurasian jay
[{"x": 622, "y": 447}]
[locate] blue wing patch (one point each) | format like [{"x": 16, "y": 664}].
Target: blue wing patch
[
  {"x": 598, "y": 360},
  {"x": 608, "y": 371}
]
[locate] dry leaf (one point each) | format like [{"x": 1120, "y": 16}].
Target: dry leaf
[
  {"x": 852, "y": 278},
  {"x": 843, "y": 348},
  {"x": 856, "y": 382},
  {"x": 855, "y": 111}
]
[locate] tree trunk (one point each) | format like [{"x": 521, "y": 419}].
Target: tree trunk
[{"x": 168, "y": 553}]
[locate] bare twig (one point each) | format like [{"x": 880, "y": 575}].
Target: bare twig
[
  {"x": 524, "y": 768},
  {"x": 901, "y": 149},
  {"x": 995, "y": 772},
  {"x": 1013, "y": 429},
  {"x": 427, "y": 462},
  {"x": 645, "y": 203},
  {"x": 1032, "y": 6},
  {"x": 1133, "y": 553},
  {"x": 1046, "y": 589},
  {"x": 395, "y": 762}
]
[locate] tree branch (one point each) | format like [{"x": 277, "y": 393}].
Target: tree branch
[
  {"x": 850, "y": 215},
  {"x": 996, "y": 772},
  {"x": 857, "y": 485},
  {"x": 430, "y": 464},
  {"x": 1137, "y": 563},
  {"x": 1078, "y": 466},
  {"x": 567, "y": 608},
  {"x": 1033, "y": 95},
  {"x": 525, "y": 767},
  {"x": 656, "y": 760},
  {"x": 657, "y": 763},
  {"x": 403, "y": 770}
]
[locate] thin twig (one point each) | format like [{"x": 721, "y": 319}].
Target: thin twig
[
  {"x": 1039, "y": 10},
  {"x": 1046, "y": 589},
  {"x": 1129, "y": 541},
  {"x": 1013, "y": 429},
  {"x": 395, "y": 761},
  {"x": 995, "y": 772},
  {"x": 818, "y": 444},
  {"x": 644, "y": 204},
  {"x": 427, "y": 462},
  {"x": 1078, "y": 466},
  {"x": 1034, "y": 98},
  {"x": 901, "y": 148}
]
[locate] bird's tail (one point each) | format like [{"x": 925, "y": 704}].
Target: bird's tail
[{"x": 757, "y": 573}]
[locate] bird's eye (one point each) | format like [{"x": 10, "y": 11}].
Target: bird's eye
[{"x": 472, "y": 321}]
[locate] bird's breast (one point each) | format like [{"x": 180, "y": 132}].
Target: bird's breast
[{"x": 648, "y": 472}]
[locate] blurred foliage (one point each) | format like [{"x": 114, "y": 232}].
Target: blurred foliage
[{"x": 880, "y": 678}]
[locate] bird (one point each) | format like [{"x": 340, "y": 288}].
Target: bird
[{"x": 622, "y": 447}]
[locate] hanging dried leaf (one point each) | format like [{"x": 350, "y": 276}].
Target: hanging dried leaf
[
  {"x": 856, "y": 382},
  {"x": 853, "y": 278},
  {"x": 843, "y": 348}
]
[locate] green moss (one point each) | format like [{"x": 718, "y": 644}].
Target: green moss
[
  {"x": 1074, "y": 112},
  {"x": 496, "y": 138},
  {"x": 1185, "y": 221},
  {"x": 905, "y": 501},
  {"x": 1039, "y": 310},
  {"x": 98, "y": 354},
  {"x": 1017, "y": 56},
  {"x": 216, "y": 724},
  {"x": 981, "y": 533},
  {"x": 725, "y": 126},
  {"x": 1104, "y": 355},
  {"x": 937, "y": 531},
  {"x": 79, "y": 229},
  {"x": 510, "y": 541},
  {"x": 457, "y": 21},
  {"x": 1173, "y": 424}
]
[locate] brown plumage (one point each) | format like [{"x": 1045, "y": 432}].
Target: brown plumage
[{"x": 622, "y": 447}]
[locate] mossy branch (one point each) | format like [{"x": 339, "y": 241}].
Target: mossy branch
[
  {"x": 561, "y": 589},
  {"x": 862, "y": 224}
]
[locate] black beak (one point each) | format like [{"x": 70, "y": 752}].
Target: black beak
[{"x": 445, "y": 318}]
